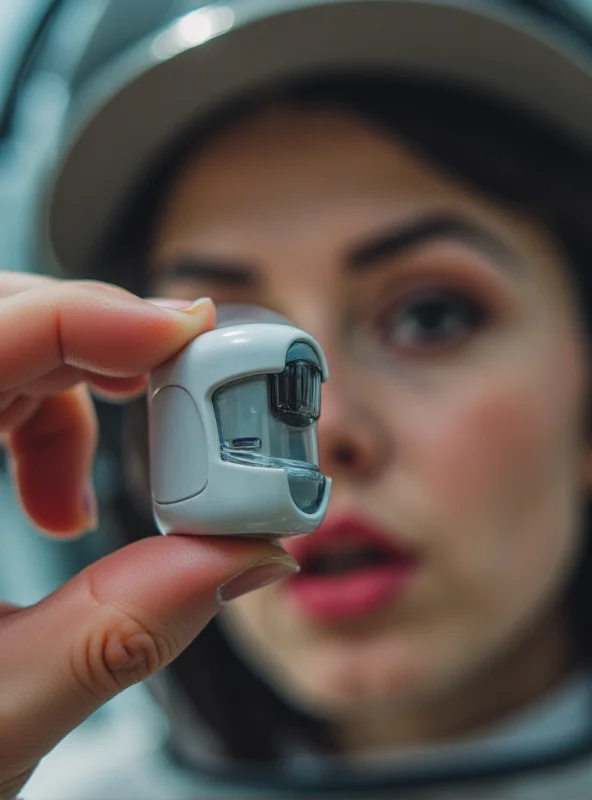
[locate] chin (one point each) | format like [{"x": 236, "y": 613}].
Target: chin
[{"x": 340, "y": 677}]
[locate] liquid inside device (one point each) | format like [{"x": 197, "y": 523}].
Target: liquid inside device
[{"x": 233, "y": 430}]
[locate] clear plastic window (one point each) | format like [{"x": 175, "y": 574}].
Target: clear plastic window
[
  {"x": 271, "y": 421},
  {"x": 250, "y": 432}
]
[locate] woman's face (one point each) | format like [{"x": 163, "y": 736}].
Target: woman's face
[{"x": 452, "y": 422}]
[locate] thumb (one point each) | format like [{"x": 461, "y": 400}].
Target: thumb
[{"x": 114, "y": 624}]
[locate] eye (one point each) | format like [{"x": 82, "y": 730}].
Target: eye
[{"x": 432, "y": 319}]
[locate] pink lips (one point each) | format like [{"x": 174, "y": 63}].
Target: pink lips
[{"x": 377, "y": 570}]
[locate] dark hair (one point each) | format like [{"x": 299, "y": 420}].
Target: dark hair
[{"x": 502, "y": 152}]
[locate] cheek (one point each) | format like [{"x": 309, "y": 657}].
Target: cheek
[
  {"x": 498, "y": 463},
  {"x": 483, "y": 442}
]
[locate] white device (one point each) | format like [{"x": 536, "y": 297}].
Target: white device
[{"x": 233, "y": 430}]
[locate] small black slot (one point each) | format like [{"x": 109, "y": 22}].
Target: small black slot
[
  {"x": 247, "y": 443},
  {"x": 295, "y": 394}
]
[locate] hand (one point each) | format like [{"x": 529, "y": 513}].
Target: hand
[{"x": 131, "y": 613}]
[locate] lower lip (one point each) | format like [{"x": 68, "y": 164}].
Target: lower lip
[{"x": 353, "y": 595}]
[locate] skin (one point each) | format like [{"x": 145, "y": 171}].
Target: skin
[
  {"x": 129, "y": 614},
  {"x": 469, "y": 449}
]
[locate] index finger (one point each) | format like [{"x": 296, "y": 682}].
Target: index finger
[{"x": 103, "y": 330}]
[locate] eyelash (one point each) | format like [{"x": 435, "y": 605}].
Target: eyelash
[{"x": 468, "y": 309}]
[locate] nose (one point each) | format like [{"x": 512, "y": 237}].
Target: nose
[{"x": 352, "y": 442}]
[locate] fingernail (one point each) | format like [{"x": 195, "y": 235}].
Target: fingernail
[
  {"x": 199, "y": 302},
  {"x": 200, "y": 309},
  {"x": 256, "y": 577},
  {"x": 90, "y": 507},
  {"x": 204, "y": 304},
  {"x": 202, "y": 312},
  {"x": 167, "y": 302}
]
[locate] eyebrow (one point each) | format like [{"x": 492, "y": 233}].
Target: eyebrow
[
  {"x": 368, "y": 254},
  {"x": 212, "y": 270},
  {"x": 442, "y": 226}
]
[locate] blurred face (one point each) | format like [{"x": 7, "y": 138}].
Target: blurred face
[{"x": 451, "y": 425}]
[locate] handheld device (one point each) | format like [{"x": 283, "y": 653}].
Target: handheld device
[{"x": 233, "y": 430}]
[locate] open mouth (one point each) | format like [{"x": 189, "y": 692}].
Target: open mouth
[
  {"x": 354, "y": 556},
  {"x": 349, "y": 568}
]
